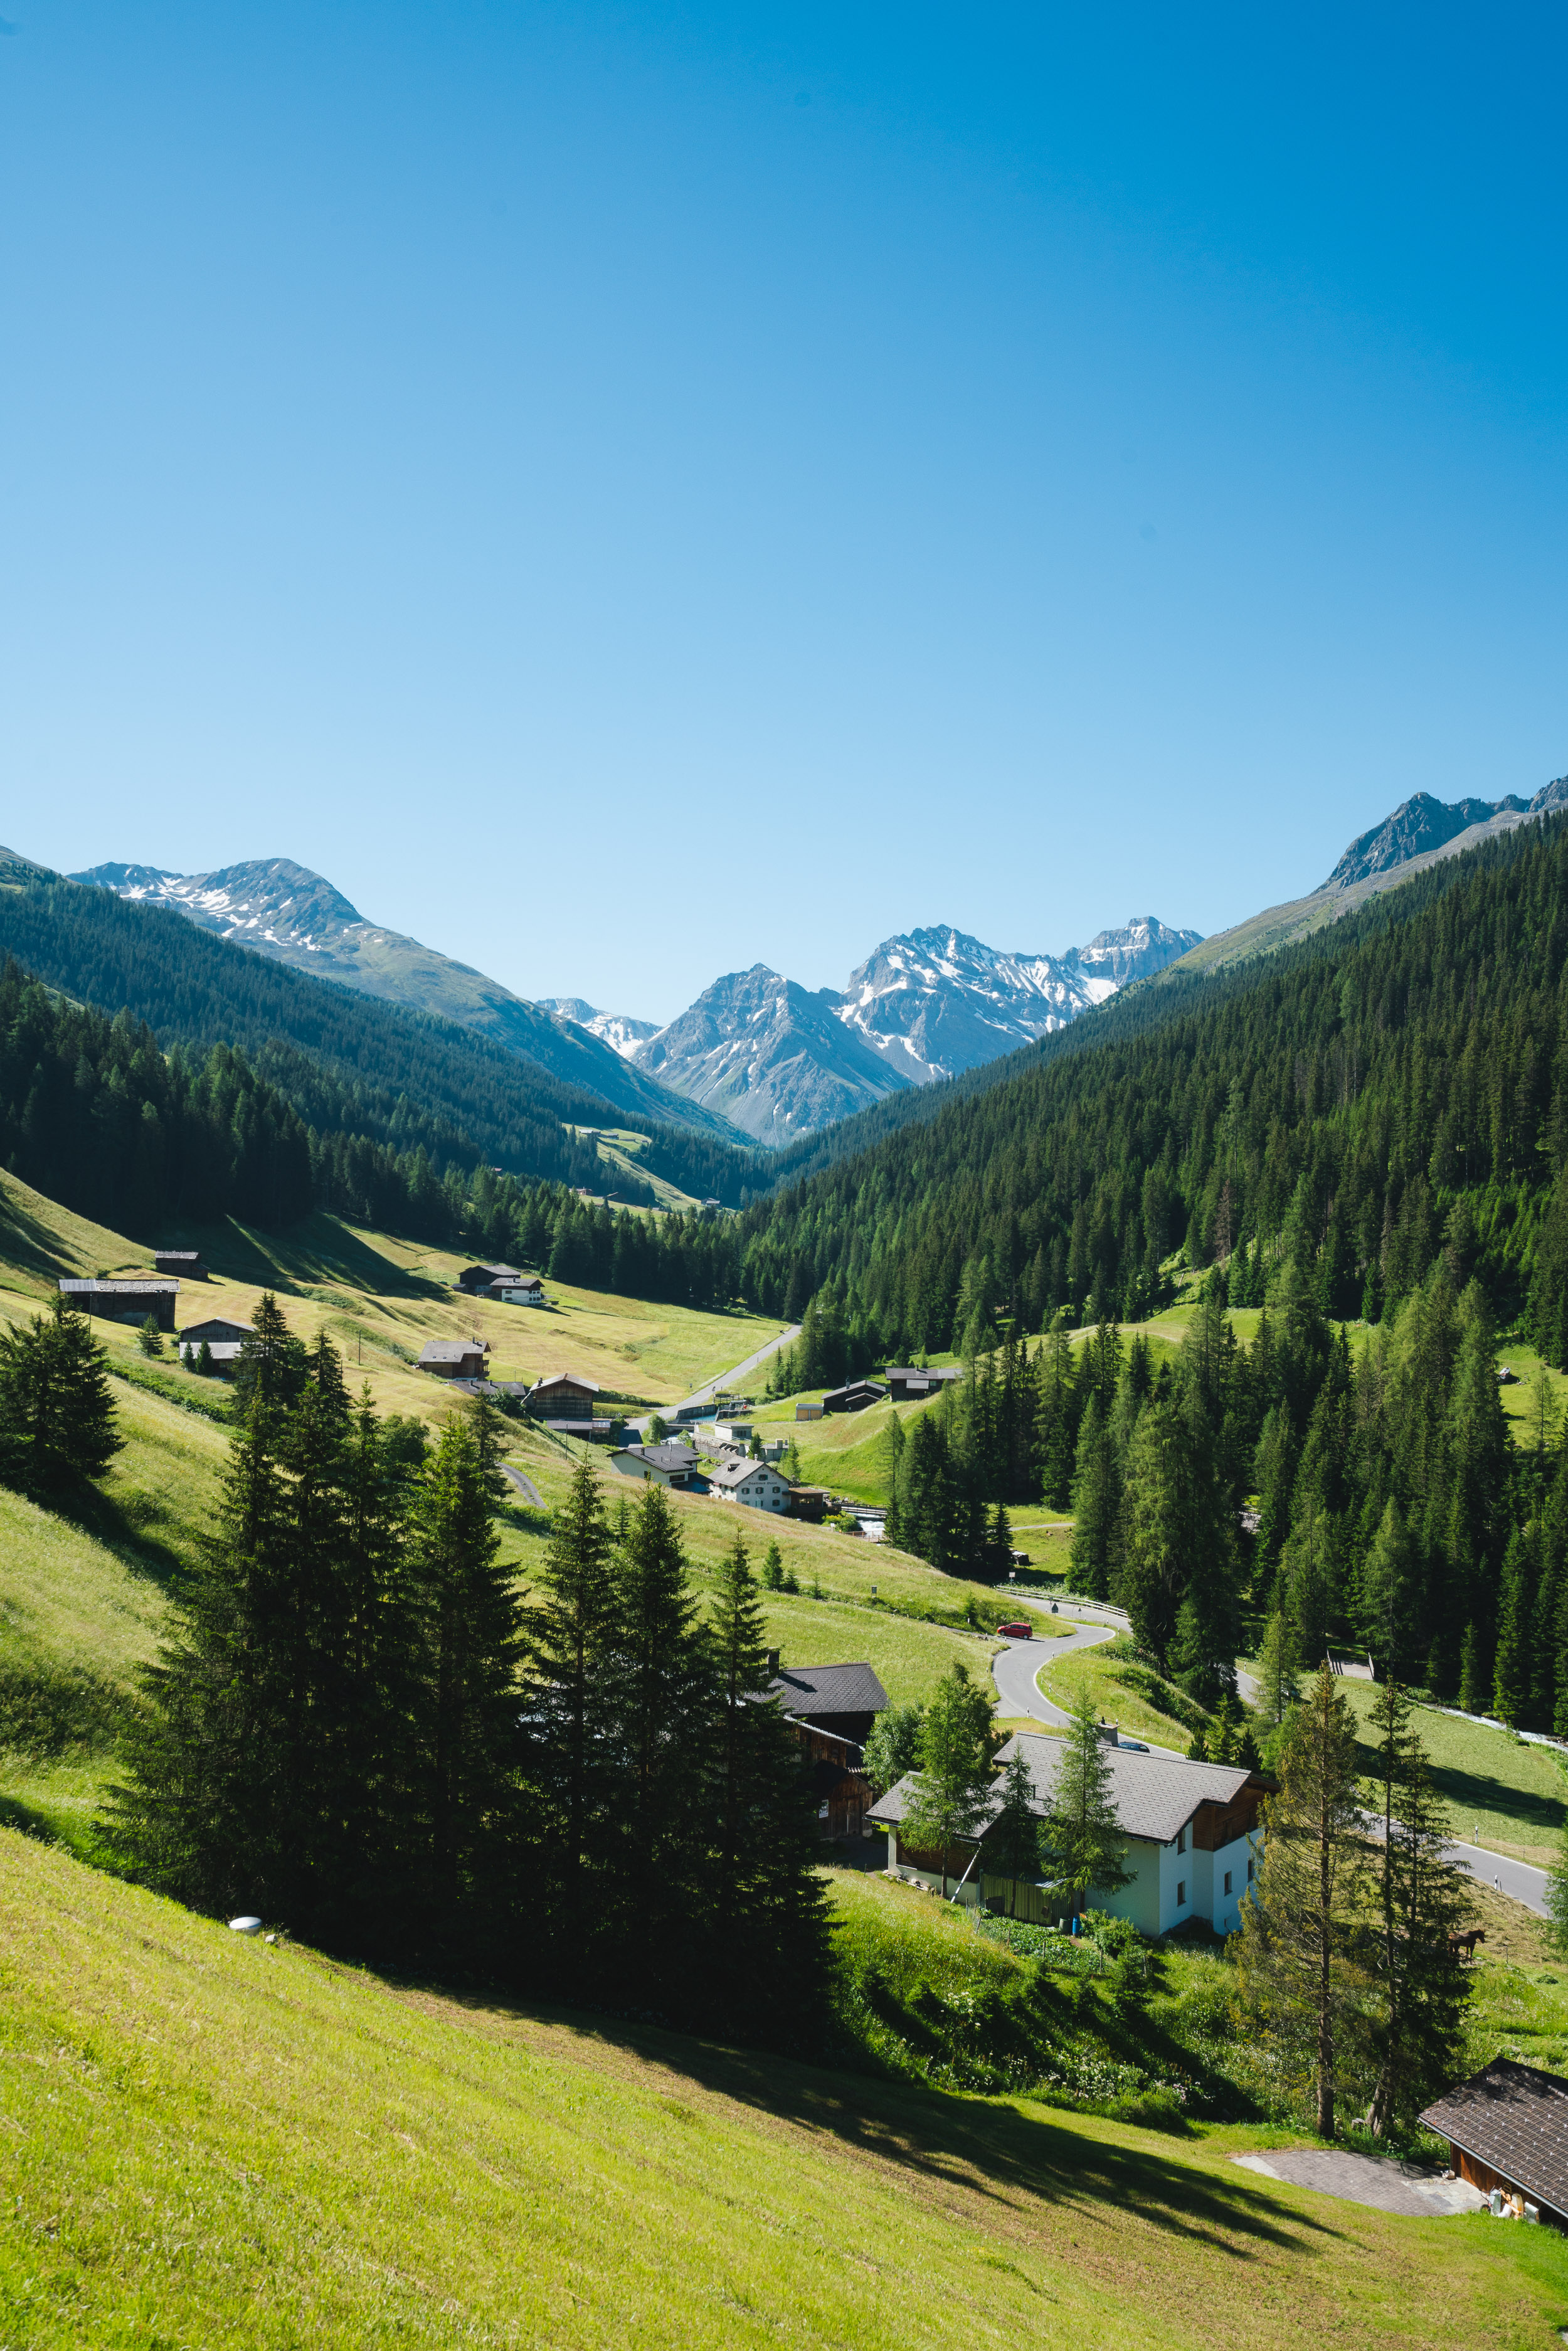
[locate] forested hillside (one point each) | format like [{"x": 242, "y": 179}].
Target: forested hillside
[
  {"x": 1349, "y": 1107},
  {"x": 349, "y": 1064}
]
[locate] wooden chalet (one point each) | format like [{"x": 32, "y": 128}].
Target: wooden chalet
[
  {"x": 564, "y": 1396},
  {"x": 811, "y": 1503},
  {"x": 1507, "y": 2130},
  {"x": 186, "y": 1265},
  {"x": 474, "y": 1279},
  {"x": 222, "y": 1339},
  {"x": 830, "y": 1710}
]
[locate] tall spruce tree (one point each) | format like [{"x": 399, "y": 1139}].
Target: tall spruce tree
[
  {"x": 661, "y": 1682},
  {"x": 1013, "y": 1840},
  {"x": 1300, "y": 1978},
  {"x": 57, "y": 1415},
  {"x": 569, "y": 1709},
  {"x": 469, "y": 1652},
  {"x": 766, "y": 1953}
]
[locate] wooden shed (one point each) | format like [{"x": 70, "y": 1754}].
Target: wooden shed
[{"x": 1507, "y": 2129}]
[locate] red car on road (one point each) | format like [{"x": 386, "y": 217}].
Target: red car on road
[{"x": 1014, "y": 1632}]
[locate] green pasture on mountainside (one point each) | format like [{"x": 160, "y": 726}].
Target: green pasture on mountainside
[{"x": 214, "y": 2141}]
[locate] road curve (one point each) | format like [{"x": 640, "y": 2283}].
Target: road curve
[
  {"x": 1013, "y": 1669},
  {"x": 525, "y": 1486}
]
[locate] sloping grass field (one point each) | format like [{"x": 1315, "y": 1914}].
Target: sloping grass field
[{"x": 208, "y": 2141}]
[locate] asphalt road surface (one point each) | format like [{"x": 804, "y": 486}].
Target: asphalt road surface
[
  {"x": 1013, "y": 1670},
  {"x": 1516, "y": 1877},
  {"x": 722, "y": 1383}
]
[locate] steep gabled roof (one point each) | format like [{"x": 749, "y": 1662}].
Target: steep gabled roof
[
  {"x": 566, "y": 1379},
  {"x": 828, "y": 1689},
  {"x": 449, "y": 1350},
  {"x": 1515, "y": 2121},
  {"x": 1155, "y": 1795},
  {"x": 735, "y": 1473}
]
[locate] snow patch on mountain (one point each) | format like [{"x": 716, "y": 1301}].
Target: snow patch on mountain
[{"x": 617, "y": 1029}]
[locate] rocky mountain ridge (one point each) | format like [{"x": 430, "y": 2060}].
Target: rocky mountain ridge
[{"x": 780, "y": 1061}]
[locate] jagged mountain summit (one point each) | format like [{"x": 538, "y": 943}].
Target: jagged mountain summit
[
  {"x": 284, "y": 911},
  {"x": 1420, "y": 832},
  {"x": 1421, "y": 824},
  {"x": 779, "y": 1061},
  {"x": 616, "y": 1029},
  {"x": 935, "y": 1002}
]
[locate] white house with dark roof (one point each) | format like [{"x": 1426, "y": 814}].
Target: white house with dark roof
[
  {"x": 667, "y": 1465},
  {"x": 757, "y": 1485},
  {"x": 1194, "y": 1833}
]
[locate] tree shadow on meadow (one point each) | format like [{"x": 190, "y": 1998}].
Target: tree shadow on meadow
[{"x": 1006, "y": 2154}]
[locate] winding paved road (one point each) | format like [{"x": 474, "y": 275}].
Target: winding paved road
[{"x": 1013, "y": 1669}]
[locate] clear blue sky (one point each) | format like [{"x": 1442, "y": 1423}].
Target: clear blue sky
[{"x": 631, "y": 492}]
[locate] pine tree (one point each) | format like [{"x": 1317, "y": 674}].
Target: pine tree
[
  {"x": 1082, "y": 1831},
  {"x": 1475, "y": 1679},
  {"x": 951, "y": 1792},
  {"x": 1277, "y": 1665},
  {"x": 200, "y": 1815},
  {"x": 57, "y": 1413},
  {"x": 569, "y": 1708},
  {"x": 773, "y": 1568},
  {"x": 1096, "y": 1506},
  {"x": 768, "y": 1955},
  {"x": 271, "y": 1366},
  {"x": 466, "y": 1700},
  {"x": 1299, "y": 1976},
  {"x": 1387, "y": 1601},
  {"x": 1510, "y": 1671},
  {"x": 150, "y": 1338},
  {"x": 660, "y": 1683}
]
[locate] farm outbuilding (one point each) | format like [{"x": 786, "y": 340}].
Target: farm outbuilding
[
  {"x": 907, "y": 1383},
  {"x": 858, "y": 1395},
  {"x": 224, "y": 1340},
  {"x": 124, "y": 1301},
  {"x": 452, "y": 1359},
  {"x": 1507, "y": 2130},
  {"x": 565, "y": 1396},
  {"x": 184, "y": 1264}
]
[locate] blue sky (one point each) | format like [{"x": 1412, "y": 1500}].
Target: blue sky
[{"x": 628, "y": 493}]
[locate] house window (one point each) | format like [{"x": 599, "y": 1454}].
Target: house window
[
  {"x": 1249, "y": 1873},
  {"x": 1181, "y": 1840},
  {"x": 1181, "y": 1893},
  {"x": 1228, "y": 1881}
]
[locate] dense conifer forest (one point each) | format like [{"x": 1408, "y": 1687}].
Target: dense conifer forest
[
  {"x": 357, "y": 1725},
  {"x": 1397, "y": 1084},
  {"x": 348, "y": 1063}
]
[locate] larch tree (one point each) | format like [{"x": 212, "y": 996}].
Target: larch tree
[
  {"x": 1300, "y": 1978},
  {"x": 1424, "y": 1901}
]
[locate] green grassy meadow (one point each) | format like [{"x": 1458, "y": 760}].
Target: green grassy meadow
[{"x": 209, "y": 2140}]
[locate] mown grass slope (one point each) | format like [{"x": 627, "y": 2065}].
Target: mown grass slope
[{"x": 207, "y": 2140}]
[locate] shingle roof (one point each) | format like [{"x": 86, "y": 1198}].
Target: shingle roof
[
  {"x": 566, "y": 1379},
  {"x": 1515, "y": 2121},
  {"x": 1155, "y": 1795},
  {"x": 449, "y": 1350},
  {"x": 829, "y": 1689}
]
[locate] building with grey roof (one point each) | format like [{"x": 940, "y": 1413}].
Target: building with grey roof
[
  {"x": 1194, "y": 1839},
  {"x": 842, "y": 1699},
  {"x": 1507, "y": 2129},
  {"x": 667, "y": 1465}
]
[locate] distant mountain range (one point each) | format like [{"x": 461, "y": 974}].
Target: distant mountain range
[
  {"x": 757, "y": 1055},
  {"x": 286, "y": 911},
  {"x": 779, "y": 1061}
]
